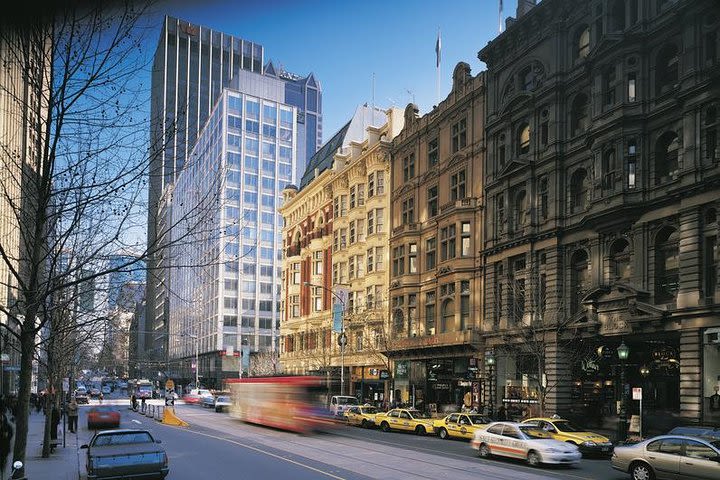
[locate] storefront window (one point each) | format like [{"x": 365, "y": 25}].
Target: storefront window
[{"x": 711, "y": 375}]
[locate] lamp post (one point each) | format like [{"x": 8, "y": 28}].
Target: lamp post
[
  {"x": 490, "y": 362},
  {"x": 623, "y": 352},
  {"x": 342, "y": 338}
]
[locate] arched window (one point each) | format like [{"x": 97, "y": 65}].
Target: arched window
[
  {"x": 617, "y": 16},
  {"x": 579, "y": 190},
  {"x": 620, "y": 260},
  {"x": 666, "y": 157},
  {"x": 447, "y": 321},
  {"x": 666, "y": 69},
  {"x": 667, "y": 259},
  {"x": 579, "y": 279},
  {"x": 581, "y": 42},
  {"x": 523, "y": 139},
  {"x": 520, "y": 210},
  {"x": 398, "y": 321},
  {"x": 579, "y": 114}
]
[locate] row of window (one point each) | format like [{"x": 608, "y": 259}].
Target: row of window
[
  {"x": 405, "y": 318},
  {"x": 405, "y": 257},
  {"x": 458, "y": 141},
  {"x": 375, "y": 186},
  {"x": 372, "y": 261}
]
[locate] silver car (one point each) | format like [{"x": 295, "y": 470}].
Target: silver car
[{"x": 670, "y": 457}]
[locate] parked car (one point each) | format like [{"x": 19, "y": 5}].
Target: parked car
[
  {"x": 669, "y": 457},
  {"x": 340, "y": 403},
  {"x": 94, "y": 392},
  {"x": 565, "y": 431},
  {"x": 362, "y": 415},
  {"x": 222, "y": 403},
  {"x": 103, "y": 417},
  {"x": 460, "y": 425},
  {"x": 405, "y": 419},
  {"x": 526, "y": 442},
  {"x": 125, "y": 453},
  {"x": 106, "y": 390}
]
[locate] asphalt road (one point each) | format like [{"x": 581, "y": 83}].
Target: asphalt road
[{"x": 217, "y": 446}]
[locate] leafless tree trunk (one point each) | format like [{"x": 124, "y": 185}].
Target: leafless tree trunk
[{"x": 75, "y": 170}]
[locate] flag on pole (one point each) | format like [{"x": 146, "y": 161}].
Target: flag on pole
[
  {"x": 438, "y": 46},
  {"x": 500, "y": 13}
]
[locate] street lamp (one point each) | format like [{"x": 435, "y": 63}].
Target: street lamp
[
  {"x": 342, "y": 339},
  {"x": 490, "y": 362},
  {"x": 623, "y": 352}
]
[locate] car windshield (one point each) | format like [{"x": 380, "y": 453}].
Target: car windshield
[
  {"x": 418, "y": 414},
  {"x": 565, "y": 426},
  {"x": 534, "y": 432},
  {"x": 369, "y": 410},
  {"x": 223, "y": 399},
  {"x": 479, "y": 420},
  {"x": 123, "y": 438},
  {"x": 347, "y": 401}
]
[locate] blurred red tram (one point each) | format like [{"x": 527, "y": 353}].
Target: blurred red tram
[{"x": 294, "y": 403}]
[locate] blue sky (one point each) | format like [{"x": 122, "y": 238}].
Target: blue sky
[{"x": 344, "y": 42}]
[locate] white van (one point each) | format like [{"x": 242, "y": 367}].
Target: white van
[{"x": 340, "y": 403}]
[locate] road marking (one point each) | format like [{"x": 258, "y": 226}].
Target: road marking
[
  {"x": 259, "y": 450},
  {"x": 137, "y": 421}
]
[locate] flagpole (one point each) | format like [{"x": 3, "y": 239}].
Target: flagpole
[
  {"x": 438, "y": 48},
  {"x": 500, "y": 22}
]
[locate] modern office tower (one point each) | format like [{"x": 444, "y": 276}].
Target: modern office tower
[
  {"x": 192, "y": 65},
  {"x": 226, "y": 294}
]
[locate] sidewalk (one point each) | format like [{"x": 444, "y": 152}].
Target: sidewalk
[{"x": 63, "y": 464}]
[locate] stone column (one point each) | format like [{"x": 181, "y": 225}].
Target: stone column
[
  {"x": 559, "y": 379},
  {"x": 691, "y": 375},
  {"x": 690, "y": 253}
]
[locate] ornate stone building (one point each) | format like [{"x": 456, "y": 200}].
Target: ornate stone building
[
  {"x": 436, "y": 238},
  {"x": 601, "y": 181},
  {"x": 336, "y": 234}
]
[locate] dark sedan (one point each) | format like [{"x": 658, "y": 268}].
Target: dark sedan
[{"x": 130, "y": 453}]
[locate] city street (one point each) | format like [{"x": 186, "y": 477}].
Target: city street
[{"x": 216, "y": 446}]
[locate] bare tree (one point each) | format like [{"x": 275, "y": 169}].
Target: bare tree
[
  {"x": 74, "y": 172},
  {"x": 264, "y": 363},
  {"x": 542, "y": 336}
]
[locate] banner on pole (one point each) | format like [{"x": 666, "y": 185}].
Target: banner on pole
[{"x": 341, "y": 296}]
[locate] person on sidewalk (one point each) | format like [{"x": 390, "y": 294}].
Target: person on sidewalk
[
  {"x": 55, "y": 422},
  {"x": 72, "y": 413}
]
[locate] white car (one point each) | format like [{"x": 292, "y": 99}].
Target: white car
[
  {"x": 523, "y": 441},
  {"x": 340, "y": 403}
]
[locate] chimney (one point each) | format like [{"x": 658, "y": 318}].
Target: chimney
[{"x": 524, "y": 6}]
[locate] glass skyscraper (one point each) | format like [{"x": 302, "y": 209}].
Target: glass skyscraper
[
  {"x": 226, "y": 287},
  {"x": 192, "y": 66}
]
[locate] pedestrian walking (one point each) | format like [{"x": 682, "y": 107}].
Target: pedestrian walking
[
  {"x": 133, "y": 402},
  {"x": 142, "y": 404},
  {"x": 55, "y": 422},
  {"x": 72, "y": 413}
]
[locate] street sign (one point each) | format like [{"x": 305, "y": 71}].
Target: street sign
[
  {"x": 637, "y": 393},
  {"x": 342, "y": 339},
  {"x": 66, "y": 384}
]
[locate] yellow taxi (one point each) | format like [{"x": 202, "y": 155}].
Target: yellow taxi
[
  {"x": 565, "y": 431},
  {"x": 363, "y": 415},
  {"x": 405, "y": 419},
  {"x": 460, "y": 425}
]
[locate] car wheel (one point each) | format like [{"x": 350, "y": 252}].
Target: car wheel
[
  {"x": 484, "y": 451},
  {"x": 641, "y": 471},
  {"x": 534, "y": 459},
  {"x": 385, "y": 427},
  {"x": 364, "y": 423},
  {"x": 443, "y": 433},
  {"x": 420, "y": 430}
]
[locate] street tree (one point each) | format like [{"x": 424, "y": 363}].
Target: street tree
[
  {"x": 75, "y": 167},
  {"x": 543, "y": 338}
]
